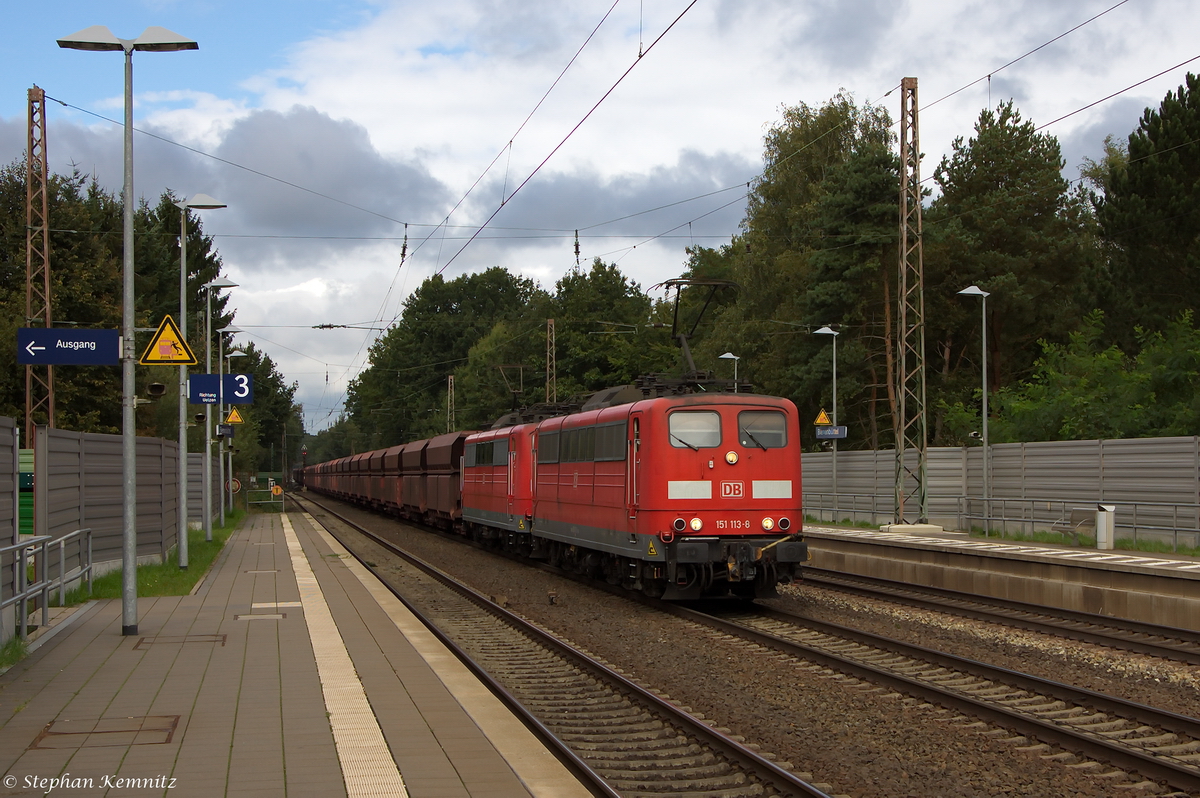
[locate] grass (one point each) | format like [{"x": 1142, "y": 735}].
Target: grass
[
  {"x": 165, "y": 579},
  {"x": 812, "y": 519},
  {"x": 1046, "y": 536},
  {"x": 12, "y": 652},
  {"x": 1089, "y": 542}
]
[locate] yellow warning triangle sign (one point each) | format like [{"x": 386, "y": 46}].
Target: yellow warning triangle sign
[
  {"x": 823, "y": 419},
  {"x": 168, "y": 347},
  {"x": 234, "y": 417}
]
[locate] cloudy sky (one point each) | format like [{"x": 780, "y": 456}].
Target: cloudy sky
[{"x": 328, "y": 125}]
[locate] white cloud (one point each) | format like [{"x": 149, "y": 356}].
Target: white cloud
[{"x": 399, "y": 113}]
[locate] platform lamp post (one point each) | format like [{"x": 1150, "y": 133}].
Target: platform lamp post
[
  {"x": 229, "y": 447},
  {"x": 199, "y": 202},
  {"x": 735, "y": 359},
  {"x": 827, "y": 330},
  {"x": 153, "y": 39},
  {"x": 209, "y": 287},
  {"x": 974, "y": 290},
  {"x": 221, "y": 333}
]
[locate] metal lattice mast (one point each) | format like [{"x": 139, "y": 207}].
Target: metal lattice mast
[
  {"x": 450, "y": 403},
  {"x": 911, "y": 425},
  {"x": 39, "y": 389},
  {"x": 551, "y": 364}
]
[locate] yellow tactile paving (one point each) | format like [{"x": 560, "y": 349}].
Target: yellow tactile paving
[
  {"x": 367, "y": 765},
  {"x": 537, "y": 768}
]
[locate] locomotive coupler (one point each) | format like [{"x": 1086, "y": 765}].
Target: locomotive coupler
[{"x": 741, "y": 563}]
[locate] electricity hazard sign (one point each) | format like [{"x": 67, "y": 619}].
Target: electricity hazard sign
[
  {"x": 234, "y": 417},
  {"x": 167, "y": 348},
  {"x": 823, "y": 419}
]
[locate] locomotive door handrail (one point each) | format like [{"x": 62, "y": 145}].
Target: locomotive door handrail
[
  {"x": 511, "y": 468},
  {"x": 631, "y": 486}
]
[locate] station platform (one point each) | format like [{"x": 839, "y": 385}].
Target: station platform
[
  {"x": 1159, "y": 589},
  {"x": 289, "y": 671}
]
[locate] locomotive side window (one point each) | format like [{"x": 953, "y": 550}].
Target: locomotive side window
[
  {"x": 762, "y": 429},
  {"x": 694, "y": 429},
  {"x": 547, "y": 447},
  {"x": 578, "y": 445},
  {"x": 500, "y": 452},
  {"x": 610, "y": 442},
  {"x": 483, "y": 454}
]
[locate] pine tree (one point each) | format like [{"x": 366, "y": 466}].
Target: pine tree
[{"x": 1150, "y": 215}]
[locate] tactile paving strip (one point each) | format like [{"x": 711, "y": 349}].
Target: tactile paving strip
[{"x": 367, "y": 764}]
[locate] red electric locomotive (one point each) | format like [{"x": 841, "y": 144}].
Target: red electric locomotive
[{"x": 679, "y": 496}]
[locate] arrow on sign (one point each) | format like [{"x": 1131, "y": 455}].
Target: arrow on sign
[{"x": 31, "y": 347}]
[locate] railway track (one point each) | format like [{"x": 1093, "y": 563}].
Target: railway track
[
  {"x": 1181, "y": 645},
  {"x": 1158, "y": 745},
  {"x": 622, "y": 739}
]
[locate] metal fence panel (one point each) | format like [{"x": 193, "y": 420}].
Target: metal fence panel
[
  {"x": 9, "y": 502},
  {"x": 1044, "y": 478},
  {"x": 196, "y": 488},
  {"x": 79, "y": 483}
]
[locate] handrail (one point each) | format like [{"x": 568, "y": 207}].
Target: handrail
[
  {"x": 1171, "y": 521},
  {"x": 39, "y": 546},
  {"x": 1173, "y": 518}
]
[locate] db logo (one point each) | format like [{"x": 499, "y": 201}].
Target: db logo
[{"x": 733, "y": 490}]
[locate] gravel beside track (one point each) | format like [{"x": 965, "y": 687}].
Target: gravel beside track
[{"x": 855, "y": 737}]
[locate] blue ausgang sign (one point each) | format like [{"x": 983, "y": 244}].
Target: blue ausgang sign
[
  {"x": 60, "y": 346},
  {"x": 205, "y": 389}
]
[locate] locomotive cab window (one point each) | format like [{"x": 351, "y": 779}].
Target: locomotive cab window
[
  {"x": 762, "y": 429},
  {"x": 694, "y": 429}
]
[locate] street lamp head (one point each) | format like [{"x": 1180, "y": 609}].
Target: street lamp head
[
  {"x": 231, "y": 330},
  {"x": 234, "y": 353},
  {"x": 974, "y": 290},
  {"x": 728, "y": 356},
  {"x": 201, "y": 202},
  {"x": 97, "y": 37},
  {"x": 826, "y": 330},
  {"x": 221, "y": 282},
  {"x": 154, "y": 39}
]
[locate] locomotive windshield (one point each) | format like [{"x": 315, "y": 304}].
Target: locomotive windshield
[
  {"x": 694, "y": 429},
  {"x": 762, "y": 429}
]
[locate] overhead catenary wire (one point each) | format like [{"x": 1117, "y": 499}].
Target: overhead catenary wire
[
  {"x": 666, "y": 235},
  {"x": 570, "y": 133}
]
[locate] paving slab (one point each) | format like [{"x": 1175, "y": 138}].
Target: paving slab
[{"x": 289, "y": 671}]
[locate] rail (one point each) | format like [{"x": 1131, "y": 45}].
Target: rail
[{"x": 39, "y": 548}]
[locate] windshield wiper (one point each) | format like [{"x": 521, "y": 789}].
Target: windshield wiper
[
  {"x": 685, "y": 443},
  {"x": 750, "y": 435}
]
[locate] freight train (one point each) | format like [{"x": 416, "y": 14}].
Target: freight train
[{"x": 677, "y": 496}]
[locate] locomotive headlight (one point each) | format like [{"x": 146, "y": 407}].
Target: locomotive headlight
[
  {"x": 731, "y": 458},
  {"x": 696, "y": 524},
  {"x": 768, "y": 524}
]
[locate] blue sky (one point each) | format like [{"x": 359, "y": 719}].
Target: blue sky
[
  {"x": 237, "y": 40},
  {"x": 365, "y": 116}
]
